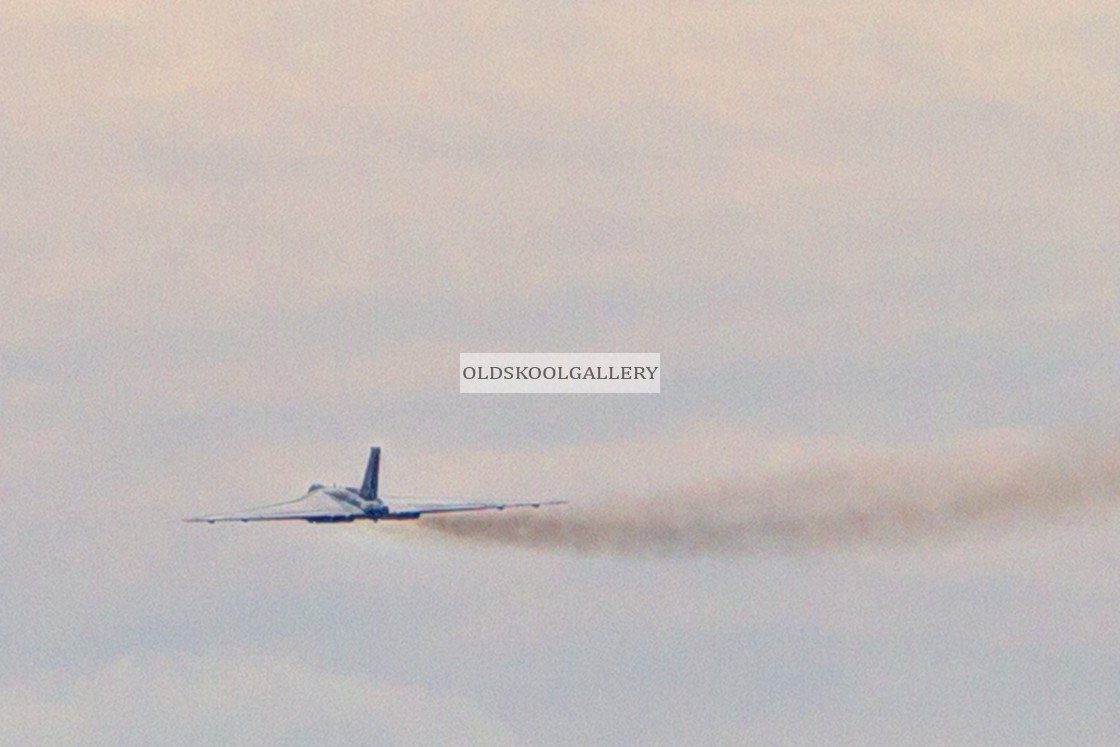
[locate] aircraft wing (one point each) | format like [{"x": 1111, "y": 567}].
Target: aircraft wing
[
  {"x": 419, "y": 509},
  {"x": 315, "y": 507}
]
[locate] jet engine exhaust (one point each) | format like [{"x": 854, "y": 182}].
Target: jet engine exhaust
[{"x": 887, "y": 497}]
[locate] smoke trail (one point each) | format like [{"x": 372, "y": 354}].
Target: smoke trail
[{"x": 892, "y": 497}]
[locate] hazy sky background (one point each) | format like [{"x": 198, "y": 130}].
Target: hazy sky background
[{"x": 239, "y": 243}]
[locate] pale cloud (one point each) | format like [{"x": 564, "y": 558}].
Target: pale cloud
[
  {"x": 235, "y": 697},
  {"x": 239, "y": 243},
  {"x": 256, "y": 153}
]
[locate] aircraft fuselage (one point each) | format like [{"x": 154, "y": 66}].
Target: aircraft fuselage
[
  {"x": 372, "y": 508},
  {"x": 334, "y": 504}
]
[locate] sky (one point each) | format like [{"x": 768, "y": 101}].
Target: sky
[{"x": 874, "y": 244}]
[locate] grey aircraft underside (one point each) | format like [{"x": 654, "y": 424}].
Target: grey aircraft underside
[{"x": 331, "y": 504}]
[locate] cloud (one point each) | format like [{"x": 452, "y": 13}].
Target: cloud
[
  {"x": 240, "y": 240},
  {"x": 230, "y": 697},
  {"x": 491, "y": 156}
]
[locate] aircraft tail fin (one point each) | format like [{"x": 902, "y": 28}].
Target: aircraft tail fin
[{"x": 369, "y": 482}]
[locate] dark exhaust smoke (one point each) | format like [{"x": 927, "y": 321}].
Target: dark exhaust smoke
[{"x": 881, "y": 498}]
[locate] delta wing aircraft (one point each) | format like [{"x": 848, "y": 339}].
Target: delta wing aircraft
[{"x": 330, "y": 504}]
